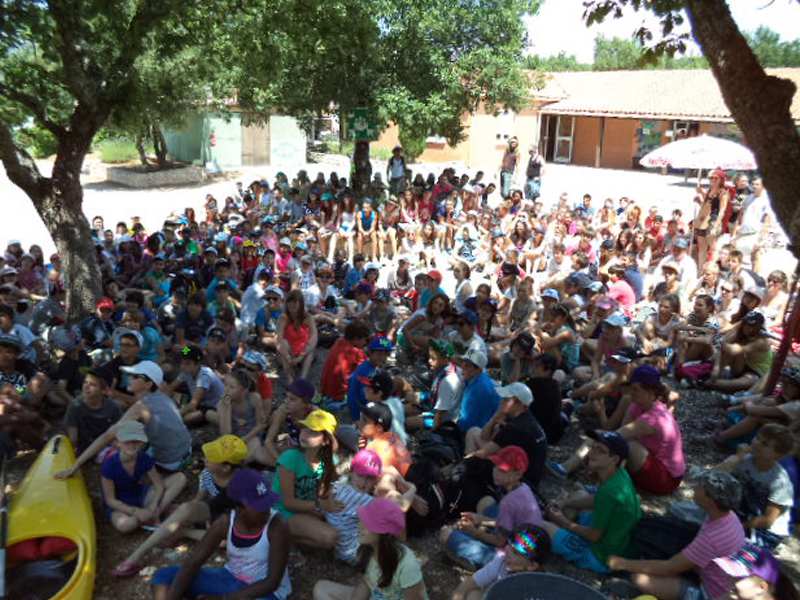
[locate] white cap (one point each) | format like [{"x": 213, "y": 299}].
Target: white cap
[
  {"x": 477, "y": 358},
  {"x": 756, "y": 291},
  {"x": 274, "y": 289},
  {"x": 7, "y": 271},
  {"x": 147, "y": 368},
  {"x": 517, "y": 390}
]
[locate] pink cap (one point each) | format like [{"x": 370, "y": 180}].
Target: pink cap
[
  {"x": 367, "y": 463},
  {"x": 382, "y": 516}
]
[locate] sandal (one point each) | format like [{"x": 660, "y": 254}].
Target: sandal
[{"x": 127, "y": 569}]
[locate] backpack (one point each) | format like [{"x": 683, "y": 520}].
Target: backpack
[
  {"x": 440, "y": 488},
  {"x": 661, "y": 538}
]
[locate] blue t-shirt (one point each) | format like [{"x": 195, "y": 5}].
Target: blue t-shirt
[
  {"x": 128, "y": 489},
  {"x": 636, "y": 281},
  {"x": 479, "y": 401},
  {"x": 353, "y": 277},
  {"x": 356, "y": 398}
]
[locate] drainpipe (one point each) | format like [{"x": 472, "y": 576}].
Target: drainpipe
[{"x": 599, "y": 154}]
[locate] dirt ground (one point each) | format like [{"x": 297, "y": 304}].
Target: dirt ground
[{"x": 696, "y": 412}]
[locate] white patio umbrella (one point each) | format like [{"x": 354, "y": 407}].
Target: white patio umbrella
[{"x": 701, "y": 152}]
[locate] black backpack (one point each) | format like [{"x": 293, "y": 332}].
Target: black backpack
[{"x": 440, "y": 488}]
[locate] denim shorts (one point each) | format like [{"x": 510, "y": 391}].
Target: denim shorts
[
  {"x": 209, "y": 581},
  {"x": 464, "y": 547},
  {"x": 576, "y": 549}
]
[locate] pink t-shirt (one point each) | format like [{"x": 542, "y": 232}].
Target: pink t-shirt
[
  {"x": 716, "y": 539},
  {"x": 666, "y": 444},
  {"x": 623, "y": 293},
  {"x": 519, "y": 507}
]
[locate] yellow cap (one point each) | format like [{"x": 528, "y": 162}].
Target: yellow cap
[
  {"x": 226, "y": 449},
  {"x": 320, "y": 420}
]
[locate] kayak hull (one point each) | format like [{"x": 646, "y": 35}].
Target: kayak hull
[{"x": 44, "y": 506}]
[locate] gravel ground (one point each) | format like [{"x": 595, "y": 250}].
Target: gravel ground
[{"x": 697, "y": 413}]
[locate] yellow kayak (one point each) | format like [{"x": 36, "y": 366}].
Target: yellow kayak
[{"x": 45, "y": 507}]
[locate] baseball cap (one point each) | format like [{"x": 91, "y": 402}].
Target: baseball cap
[
  {"x": 373, "y": 266},
  {"x": 65, "y": 338},
  {"x": 530, "y": 542},
  {"x": 551, "y": 293},
  {"x": 229, "y": 449},
  {"x": 380, "y": 343},
  {"x": 476, "y": 357},
  {"x": 146, "y": 368},
  {"x": 646, "y": 375},
  {"x": 754, "y": 317},
  {"x": 605, "y": 303},
  {"x": 750, "y": 560},
  {"x": 595, "y": 286},
  {"x": 383, "y": 295},
  {"x": 105, "y": 303},
  {"x": 191, "y": 352},
  {"x": 217, "y": 333},
  {"x": 256, "y": 358},
  {"x": 756, "y": 291},
  {"x": 302, "y": 388},
  {"x": 382, "y": 516},
  {"x": 625, "y": 355},
  {"x": 210, "y": 250},
  {"x": 131, "y": 431},
  {"x": 364, "y": 288},
  {"x": 681, "y": 242},
  {"x": 509, "y": 269},
  {"x": 435, "y": 275},
  {"x": 378, "y": 412},
  {"x": 442, "y": 347},
  {"x": 319, "y": 420},
  {"x": 612, "y": 440},
  {"x": 131, "y": 333},
  {"x": 380, "y": 381},
  {"x": 525, "y": 341},
  {"x": 7, "y": 271},
  {"x": 307, "y": 260},
  {"x": 510, "y": 458},
  {"x": 580, "y": 280},
  {"x": 274, "y": 290},
  {"x": 469, "y": 316},
  {"x": 367, "y": 463},
  {"x": 615, "y": 320},
  {"x": 248, "y": 487},
  {"x": 517, "y": 390},
  {"x": 672, "y": 264},
  {"x": 285, "y": 242}
]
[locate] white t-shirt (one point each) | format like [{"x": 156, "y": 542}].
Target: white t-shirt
[{"x": 754, "y": 210}]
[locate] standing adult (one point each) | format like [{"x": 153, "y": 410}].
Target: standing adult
[
  {"x": 508, "y": 166},
  {"x": 396, "y": 171},
  {"x": 533, "y": 174}
]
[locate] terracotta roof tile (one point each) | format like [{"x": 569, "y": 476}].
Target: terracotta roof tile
[{"x": 665, "y": 94}]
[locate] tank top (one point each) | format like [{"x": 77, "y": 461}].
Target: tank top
[
  {"x": 366, "y": 220},
  {"x": 251, "y": 564},
  {"x": 296, "y": 337},
  {"x": 169, "y": 439}
]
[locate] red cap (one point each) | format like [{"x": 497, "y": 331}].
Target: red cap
[
  {"x": 718, "y": 173},
  {"x": 105, "y": 302},
  {"x": 435, "y": 275},
  {"x": 510, "y": 458}
]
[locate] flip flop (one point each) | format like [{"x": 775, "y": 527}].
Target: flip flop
[{"x": 127, "y": 569}]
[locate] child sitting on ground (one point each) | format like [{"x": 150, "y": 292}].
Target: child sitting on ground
[
  {"x": 130, "y": 503},
  {"x": 91, "y": 414},
  {"x": 477, "y": 536},
  {"x": 526, "y": 548}
]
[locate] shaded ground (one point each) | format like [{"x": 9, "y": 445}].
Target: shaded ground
[{"x": 696, "y": 412}]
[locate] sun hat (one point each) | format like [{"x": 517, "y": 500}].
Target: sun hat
[
  {"x": 146, "y": 368},
  {"x": 302, "y": 388},
  {"x": 367, "y": 463},
  {"x": 750, "y": 560},
  {"x": 248, "y": 487},
  {"x": 380, "y": 343},
  {"x": 131, "y": 431},
  {"x": 476, "y": 357},
  {"x": 510, "y": 458},
  {"x": 382, "y": 516},
  {"x": 229, "y": 449},
  {"x": 612, "y": 440},
  {"x": 517, "y": 390},
  {"x": 319, "y": 420}
]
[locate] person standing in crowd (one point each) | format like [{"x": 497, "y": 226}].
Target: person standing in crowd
[{"x": 508, "y": 166}]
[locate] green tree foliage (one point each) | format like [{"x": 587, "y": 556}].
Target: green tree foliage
[
  {"x": 560, "y": 62},
  {"x": 771, "y": 50}
]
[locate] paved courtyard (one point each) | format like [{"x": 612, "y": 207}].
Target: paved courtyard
[{"x": 116, "y": 203}]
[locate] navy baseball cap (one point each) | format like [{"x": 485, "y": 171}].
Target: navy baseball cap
[
  {"x": 612, "y": 440},
  {"x": 381, "y": 343}
]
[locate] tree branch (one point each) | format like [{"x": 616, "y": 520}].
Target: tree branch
[
  {"x": 75, "y": 61},
  {"x": 35, "y": 106},
  {"x": 20, "y": 167}
]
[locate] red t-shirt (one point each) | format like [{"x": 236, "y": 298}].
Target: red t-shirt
[{"x": 342, "y": 360}]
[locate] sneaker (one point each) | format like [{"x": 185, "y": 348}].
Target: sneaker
[{"x": 556, "y": 469}]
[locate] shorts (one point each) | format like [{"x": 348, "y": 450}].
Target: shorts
[
  {"x": 465, "y": 548},
  {"x": 209, "y": 581},
  {"x": 654, "y": 478},
  {"x": 576, "y": 549}
]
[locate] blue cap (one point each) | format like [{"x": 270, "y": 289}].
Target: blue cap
[
  {"x": 469, "y": 316},
  {"x": 381, "y": 343},
  {"x": 646, "y": 374},
  {"x": 615, "y": 320},
  {"x": 551, "y": 293}
]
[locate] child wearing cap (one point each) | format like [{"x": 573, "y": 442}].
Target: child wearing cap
[
  {"x": 375, "y": 428},
  {"x": 378, "y": 351},
  {"x": 129, "y": 502},
  {"x": 525, "y": 549},
  {"x": 390, "y": 569},
  {"x": 382, "y": 316},
  {"x": 257, "y": 543},
  {"x": 477, "y": 536},
  {"x": 222, "y": 458},
  {"x": 379, "y": 387},
  {"x": 304, "y": 480}
]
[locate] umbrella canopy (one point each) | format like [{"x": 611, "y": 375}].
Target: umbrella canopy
[
  {"x": 701, "y": 152},
  {"x": 542, "y": 586}
]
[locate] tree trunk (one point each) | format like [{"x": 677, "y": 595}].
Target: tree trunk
[
  {"x": 760, "y": 105},
  {"x": 140, "y": 148},
  {"x": 58, "y": 200},
  {"x": 362, "y": 169},
  {"x": 160, "y": 145}
]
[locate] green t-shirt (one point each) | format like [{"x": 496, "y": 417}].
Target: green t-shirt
[
  {"x": 306, "y": 479},
  {"x": 408, "y": 574},
  {"x": 616, "y": 512}
]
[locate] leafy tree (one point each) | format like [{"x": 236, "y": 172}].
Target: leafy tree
[
  {"x": 615, "y": 54},
  {"x": 560, "y": 62},
  {"x": 771, "y": 50},
  {"x": 759, "y": 103}
]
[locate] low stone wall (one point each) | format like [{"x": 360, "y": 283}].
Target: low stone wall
[{"x": 135, "y": 178}]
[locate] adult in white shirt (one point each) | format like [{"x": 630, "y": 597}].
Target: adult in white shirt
[{"x": 754, "y": 221}]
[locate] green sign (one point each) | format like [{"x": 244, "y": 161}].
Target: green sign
[{"x": 361, "y": 125}]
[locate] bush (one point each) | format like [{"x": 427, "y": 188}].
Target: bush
[
  {"x": 119, "y": 150},
  {"x": 39, "y": 142}
]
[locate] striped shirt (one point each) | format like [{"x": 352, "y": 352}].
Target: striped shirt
[
  {"x": 716, "y": 539},
  {"x": 346, "y": 520}
]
